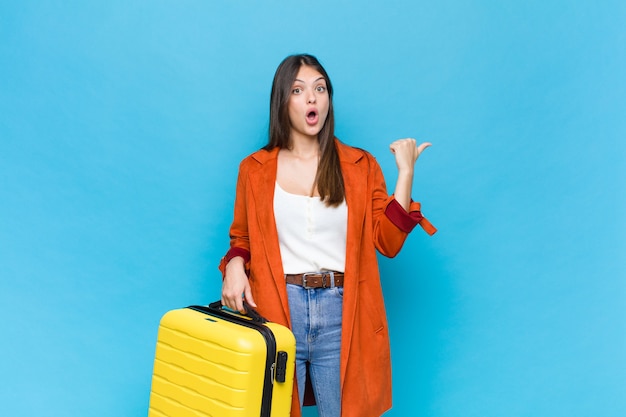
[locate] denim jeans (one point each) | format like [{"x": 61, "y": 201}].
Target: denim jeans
[{"x": 316, "y": 324}]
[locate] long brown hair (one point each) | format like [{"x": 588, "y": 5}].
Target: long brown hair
[{"x": 328, "y": 179}]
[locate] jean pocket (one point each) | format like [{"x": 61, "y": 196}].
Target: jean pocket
[{"x": 338, "y": 291}]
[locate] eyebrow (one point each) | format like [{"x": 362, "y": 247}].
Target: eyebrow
[{"x": 302, "y": 81}]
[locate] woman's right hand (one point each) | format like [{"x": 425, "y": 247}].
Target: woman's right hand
[{"x": 235, "y": 285}]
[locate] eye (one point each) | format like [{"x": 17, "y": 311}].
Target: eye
[
  {"x": 321, "y": 89},
  {"x": 296, "y": 90}
]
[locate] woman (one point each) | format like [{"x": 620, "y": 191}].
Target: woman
[{"x": 310, "y": 213}]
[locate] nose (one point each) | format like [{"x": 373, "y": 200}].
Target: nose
[{"x": 311, "y": 97}]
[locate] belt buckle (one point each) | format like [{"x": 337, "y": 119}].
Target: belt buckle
[
  {"x": 304, "y": 279},
  {"x": 325, "y": 282}
]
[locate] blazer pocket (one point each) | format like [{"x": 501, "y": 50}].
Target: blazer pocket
[{"x": 375, "y": 312}]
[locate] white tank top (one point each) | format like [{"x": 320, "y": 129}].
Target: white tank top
[{"x": 312, "y": 236}]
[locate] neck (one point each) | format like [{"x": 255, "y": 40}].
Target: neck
[{"x": 304, "y": 147}]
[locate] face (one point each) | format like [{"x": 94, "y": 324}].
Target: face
[{"x": 308, "y": 103}]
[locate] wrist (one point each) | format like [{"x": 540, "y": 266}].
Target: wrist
[{"x": 235, "y": 262}]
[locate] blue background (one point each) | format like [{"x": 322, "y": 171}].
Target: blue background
[{"x": 122, "y": 124}]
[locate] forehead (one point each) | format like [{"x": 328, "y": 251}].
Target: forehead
[{"x": 308, "y": 74}]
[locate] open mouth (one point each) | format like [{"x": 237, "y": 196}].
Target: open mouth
[{"x": 312, "y": 117}]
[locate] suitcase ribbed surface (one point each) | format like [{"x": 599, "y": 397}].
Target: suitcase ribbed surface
[{"x": 206, "y": 366}]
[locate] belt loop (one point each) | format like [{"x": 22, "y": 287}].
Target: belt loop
[{"x": 332, "y": 279}]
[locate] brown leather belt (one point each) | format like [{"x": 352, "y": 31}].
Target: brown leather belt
[{"x": 316, "y": 279}]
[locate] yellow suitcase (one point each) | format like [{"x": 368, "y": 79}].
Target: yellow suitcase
[{"x": 210, "y": 362}]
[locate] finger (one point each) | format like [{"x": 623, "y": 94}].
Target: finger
[
  {"x": 248, "y": 297},
  {"x": 224, "y": 299},
  {"x": 396, "y": 146},
  {"x": 406, "y": 142},
  {"x": 238, "y": 305},
  {"x": 423, "y": 146},
  {"x": 230, "y": 301}
]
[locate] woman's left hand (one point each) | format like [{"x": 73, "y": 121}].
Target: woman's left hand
[{"x": 407, "y": 152}]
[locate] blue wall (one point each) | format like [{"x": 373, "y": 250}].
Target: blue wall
[{"x": 122, "y": 124}]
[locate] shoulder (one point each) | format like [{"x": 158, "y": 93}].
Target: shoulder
[
  {"x": 354, "y": 155},
  {"x": 258, "y": 159}
]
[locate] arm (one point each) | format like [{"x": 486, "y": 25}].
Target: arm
[
  {"x": 395, "y": 216},
  {"x": 236, "y": 261},
  {"x": 406, "y": 153}
]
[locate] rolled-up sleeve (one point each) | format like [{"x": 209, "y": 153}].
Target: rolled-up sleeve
[
  {"x": 406, "y": 221},
  {"x": 392, "y": 223}
]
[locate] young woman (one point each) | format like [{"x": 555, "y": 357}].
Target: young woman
[{"x": 310, "y": 213}]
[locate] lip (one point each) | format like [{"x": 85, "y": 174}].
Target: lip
[{"x": 312, "y": 116}]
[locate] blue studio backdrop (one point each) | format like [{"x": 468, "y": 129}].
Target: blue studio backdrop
[{"x": 122, "y": 124}]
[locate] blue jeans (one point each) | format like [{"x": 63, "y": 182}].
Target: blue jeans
[{"x": 316, "y": 324}]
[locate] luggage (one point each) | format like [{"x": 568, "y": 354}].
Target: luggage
[{"x": 210, "y": 362}]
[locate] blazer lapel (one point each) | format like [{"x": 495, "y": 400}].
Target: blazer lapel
[
  {"x": 262, "y": 186},
  {"x": 354, "y": 167},
  {"x": 354, "y": 171}
]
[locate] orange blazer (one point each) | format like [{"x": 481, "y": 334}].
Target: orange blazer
[{"x": 376, "y": 222}]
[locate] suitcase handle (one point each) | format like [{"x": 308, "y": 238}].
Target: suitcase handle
[{"x": 250, "y": 312}]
